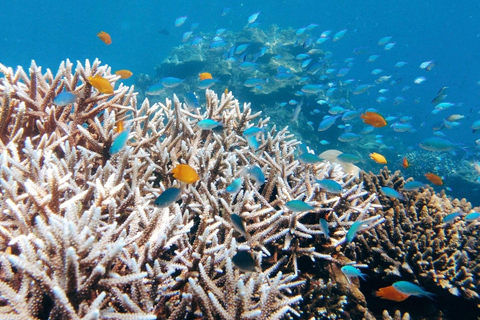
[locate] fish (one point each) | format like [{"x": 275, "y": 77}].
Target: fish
[
  {"x": 339, "y": 35},
  {"x": 326, "y": 123},
  {"x": 298, "y": 206},
  {"x": 455, "y": 117},
  {"x": 324, "y": 227},
  {"x": 253, "y": 17},
  {"x": 252, "y": 142},
  {"x": 105, "y": 37},
  {"x": 378, "y": 158},
  {"x": 449, "y": 218},
  {"x": 348, "y": 137},
  {"x": 409, "y": 288},
  {"x": 472, "y": 216},
  {"x": 120, "y": 124},
  {"x": 256, "y": 173},
  {"x": 119, "y": 142},
  {"x": 352, "y": 272},
  {"x": 155, "y": 89},
  {"x": 180, "y": 21},
  {"x": 244, "y": 261},
  {"x": 205, "y": 75},
  {"x": 235, "y": 186},
  {"x": 476, "y": 126},
  {"x": 374, "y": 119},
  {"x": 349, "y": 158},
  {"x": 171, "y": 82},
  {"x": 64, "y": 98},
  {"x": 252, "y": 131},
  {"x": 185, "y": 173},
  {"x": 167, "y": 197},
  {"x": 419, "y": 80},
  {"x": 413, "y": 185},
  {"x": 331, "y": 186},
  {"x": 390, "y": 293},
  {"x": 124, "y": 74},
  {"x": 427, "y": 65},
  {"x": 389, "y": 46},
  {"x": 352, "y": 232},
  {"x": 437, "y": 144},
  {"x": 435, "y": 179},
  {"x": 101, "y": 84},
  {"x": 392, "y": 193},
  {"x": 208, "y": 124},
  {"x": 362, "y": 88},
  {"x": 384, "y": 40},
  {"x": 309, "y": 158},
  {"x": 207, "y": 83},
  {"x": 405, "y": 163},
  {"x": 239, "y": 224},
  {"x": 191, "y": 100}
]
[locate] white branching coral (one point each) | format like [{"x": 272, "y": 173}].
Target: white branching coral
[{"x": 80, "y": 237}]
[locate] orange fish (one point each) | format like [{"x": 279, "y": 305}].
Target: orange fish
[
  {"x": 405, "y": 163},
  {"x": 205, "y": 75},
  {"x": 378, "y": 158},
  {"x": 105, "y": 37},
  {"x": 124, "y": 74},
  {"x": 226, "y": 91},
  {"x": 374, "y": 119},
  {"x": 185, "y": 173},
  {"x": 433, "y": 178},
  {"x": 119, "y": 126},
  {"x": 101, "y": 84},
  {"x": 390, "y": 293}
]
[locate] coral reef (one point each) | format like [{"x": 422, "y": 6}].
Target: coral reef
[{"x": 81, "y": 238}]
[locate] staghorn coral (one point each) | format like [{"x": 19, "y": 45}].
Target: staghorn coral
[
  {"x": 414, "y": 242},
  {"x": 81, "y": 239}
]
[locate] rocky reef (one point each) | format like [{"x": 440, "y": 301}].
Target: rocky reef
[{"x": 82, "y": 238}]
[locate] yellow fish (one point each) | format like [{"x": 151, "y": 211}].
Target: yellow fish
[
  {"x": 124, "y": 74},
  {"x": 378, "y": 158},
  {"x": 101, "y": 84},
  {"x": 185, "y": 173}
]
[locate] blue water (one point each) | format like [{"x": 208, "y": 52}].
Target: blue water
[{"x": 441, "y": 31}]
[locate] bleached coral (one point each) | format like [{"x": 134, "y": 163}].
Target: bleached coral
[{"x": 80, "y": 237}]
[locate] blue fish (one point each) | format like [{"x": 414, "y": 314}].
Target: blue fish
[
  {"x": 180, "y": 21},
  {"x": 256, "y": 173},
  {"x": 235, "y": 186},
  {"x": 253, "y": 17},
  {"x": 119, "y": 142},
  {"x": 309, "y": 158},
  {"x": 155, "y": 89},
  {"x": 437, "y": 144},
  {"x": 331, "y": 186},
  {"x": 409, "y": 288},
  {"x": 326, "y": 123},
  {"x": 64, "y": 98},
  {"x": 171, "y": 82},
  {"x": 352, "y": 232},
  {"x": 352, "y": 272},
  {"x": 449, "y": 218},
  {"x": 252, "y": 142},
  {"x": 208, "y": 124},
  {"x": 241, "y": 48},
  {"x": 472, "y": 216},
  {"x": 191, "y": 100},
  {"x": 298, "y": 206},
  {"x": 207, "y": 83},
  {"x": 167, "y": 197},
  {"x": 252, "y": 131},
  {"x": 392, "y": 193},
  {"x": 413, "y": 185},
  {"x": 324, "y": 227}
]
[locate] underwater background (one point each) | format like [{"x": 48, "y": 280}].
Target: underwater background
[
  {"x": 145, "y": 37},
  {"x": 144, "y": 34}
]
